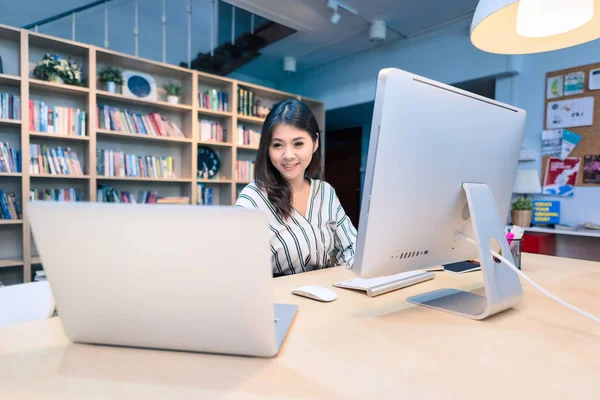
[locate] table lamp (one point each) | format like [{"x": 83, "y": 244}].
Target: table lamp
[
  {"x": 526, "y": 182},
  {"x": 534, "y": 26}
]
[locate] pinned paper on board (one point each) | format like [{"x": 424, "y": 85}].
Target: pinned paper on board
[
  {"x": 552, "y": 142},
  {"x": 570, "y": 113},
  {"x": 569, "y": 141},
  {"x": 554, "y": 87},
  {"x": 574, "y": 83},
  {"x": 591, "y": 168},
  {"x": 561, "y": 176}
]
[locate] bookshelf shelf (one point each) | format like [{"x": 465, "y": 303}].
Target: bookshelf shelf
[
  {"x": 5, "y": 263},
  {"x": 213, "y": 113},
  {"x": 59, "y": 137},
  {"x": 11, "y": 80},
  {"x": 196, "y": 116},
  {"x": 162, "y": 105},
  {"x": 50, "y": 176},
  {"x": 217, "y": 144},
  {"x": 58, "y": 88},
  {"x": 13, "y": 122},
  {"x": 248, "y": 118},
  {"x": 129, "y": 178},
  {"x": 246, "y": 147},
  {"x": 137, "y": 136},
  {"x": 214, "y": 181},
  {"x": 10, "y": 174},
  {"x": 11, "y": 221}
]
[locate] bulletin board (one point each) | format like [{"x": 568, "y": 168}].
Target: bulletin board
[{"x": 589, "y": 144}]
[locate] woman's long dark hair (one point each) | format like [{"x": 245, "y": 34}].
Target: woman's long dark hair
[{"x": 294, "y": 113}]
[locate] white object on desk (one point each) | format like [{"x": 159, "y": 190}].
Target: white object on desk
[
  {"x": 25, "y": 302},
  {"x": 315, "y": 292},
  {"x": 384, "y": 284}
]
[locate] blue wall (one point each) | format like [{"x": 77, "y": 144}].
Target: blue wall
[{"x": 448, "y": 56}]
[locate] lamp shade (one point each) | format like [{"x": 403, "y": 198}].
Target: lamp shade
[
  {"x": 527, "y": 181},
  {"x": 534, "y": 26}
]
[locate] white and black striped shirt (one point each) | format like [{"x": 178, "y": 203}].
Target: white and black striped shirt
[{"x": 301, "y": 243}]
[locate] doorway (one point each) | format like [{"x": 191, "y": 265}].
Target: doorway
[{"x": 342, "y": 167}]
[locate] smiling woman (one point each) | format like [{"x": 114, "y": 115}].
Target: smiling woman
[{"x": 307, "y": 223}]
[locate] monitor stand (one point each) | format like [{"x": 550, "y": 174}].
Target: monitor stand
[{"x": 502, "y": 285}]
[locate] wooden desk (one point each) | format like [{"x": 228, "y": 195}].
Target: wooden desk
[{"x": 354, "y": 347}]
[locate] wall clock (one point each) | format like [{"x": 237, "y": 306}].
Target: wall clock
[
  {"x": 208, "y": 163},
  {"x": 140, "y": 85}
]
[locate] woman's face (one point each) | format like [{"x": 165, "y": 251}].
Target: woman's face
[{"x": 291, "y": 151}]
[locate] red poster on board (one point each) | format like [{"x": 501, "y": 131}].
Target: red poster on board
[{"x": 561, "y": 176}]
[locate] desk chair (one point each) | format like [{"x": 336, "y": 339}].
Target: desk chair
[{"x": 25, "y": 302}]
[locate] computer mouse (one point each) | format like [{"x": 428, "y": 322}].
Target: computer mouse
[{"x": 315, "y": 292}]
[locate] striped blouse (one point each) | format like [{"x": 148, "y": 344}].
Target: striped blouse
[{"x": 300, "y": 243}]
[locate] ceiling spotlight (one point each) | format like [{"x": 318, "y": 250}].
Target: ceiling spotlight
[
  {"x": 335, "y": 18},
  {"x": 289, "y": 64},
  {"x": 377, "y": 31}
]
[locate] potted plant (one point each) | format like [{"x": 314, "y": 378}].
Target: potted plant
[
  {"x": 111, "y": 78},
  {"x": 55, "y": 68},
  {"x": 173, "y": 91},
  {"x": 521, "y": 212}
]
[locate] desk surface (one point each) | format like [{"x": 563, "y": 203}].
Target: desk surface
[{"x": 354, "y": 347}]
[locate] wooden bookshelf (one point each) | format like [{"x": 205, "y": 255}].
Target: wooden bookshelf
[
  {"x": 11, "y": 221},
  {"x": 10, "y": 80},
  {"x": 246, "y": 147},
  {"x": 138, "y": 136},
  {"x": 22, "y": 49},
  {"x": 13, "y": 122},
  {"x": 59, "y": 136},
  {"x": 5, "y": 263}
]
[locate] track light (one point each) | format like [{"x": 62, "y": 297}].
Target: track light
[{"x": 335, "y": 18}]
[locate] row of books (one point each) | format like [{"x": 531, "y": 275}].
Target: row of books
[
  {"x": 108, "y": 194},
  {"x": 245, "y": 170},
  {"x": 10, "y": 159},
  {"x": 56, "y": 119},
  {"x": 40, "y": 276},
  {"x": 121, "y": 164},
  {"x": 248, "y": 136},
  {"x": 214, "y": 100},
  {"x": 212, "y": 131},
  {"x": 205, "y": 195},
  {"x": 70, "y": 194},
  {"x": 126, "y": 121},
  {"x": 10, "y": 106},
  {"x": 9, "y": 206},
  {"x": 53, "y": 161},
  {"x": 248, "y": 104}
]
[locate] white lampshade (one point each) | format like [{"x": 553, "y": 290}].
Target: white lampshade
[
  {"x": 527, "y": 182},
  {"x": 533, "y": 26}
]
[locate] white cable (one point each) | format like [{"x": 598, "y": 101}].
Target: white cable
[{"x": 532, "y": 283}]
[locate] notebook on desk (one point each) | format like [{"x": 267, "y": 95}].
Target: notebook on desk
[{"x": 384, "y": 284}]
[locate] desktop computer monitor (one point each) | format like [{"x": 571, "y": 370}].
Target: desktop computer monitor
[{"x": 441, "y": 161}]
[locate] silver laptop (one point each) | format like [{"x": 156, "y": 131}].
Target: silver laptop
[{"x": 162, "y": 276}]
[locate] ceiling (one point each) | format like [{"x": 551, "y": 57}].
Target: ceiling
[{"x": 317, "y": 41}]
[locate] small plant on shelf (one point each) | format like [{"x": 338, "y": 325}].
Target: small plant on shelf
[
  {"x": 55, "y": 68},
  {"x": 521, "y": 211},
  {"x": 111, "y": 77},
  {"x": 173, "y": 91}
]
